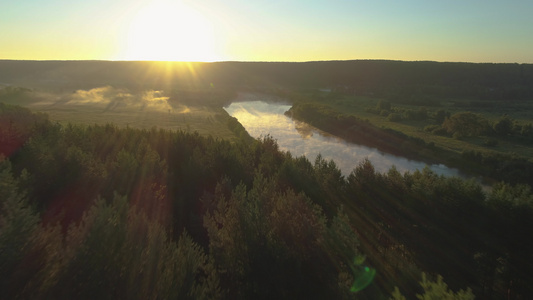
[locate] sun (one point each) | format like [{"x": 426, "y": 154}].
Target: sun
[{"x": 170, "y": 31}]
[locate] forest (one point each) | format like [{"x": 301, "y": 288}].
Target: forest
[
  {"x": 97, "y": 211},
  {"x": 378, "y": 77},
  {"x": 127, "y": 180}
]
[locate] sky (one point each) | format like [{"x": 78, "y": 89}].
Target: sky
[{"x": 267, "y": 30}]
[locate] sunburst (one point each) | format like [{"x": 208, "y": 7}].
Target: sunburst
[{"x": 170, "y": 31}]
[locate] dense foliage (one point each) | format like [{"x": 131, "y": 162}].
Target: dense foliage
[
  {"x": 409, "y": 82},
  {"x": 106, "y": 212}
]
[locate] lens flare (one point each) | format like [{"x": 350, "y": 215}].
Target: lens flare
[{"x": 363, "y": 275}]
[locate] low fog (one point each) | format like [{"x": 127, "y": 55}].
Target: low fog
[{"x": 113, "y": 98}]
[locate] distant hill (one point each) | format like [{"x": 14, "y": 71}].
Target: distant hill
[{"x": 369, "y": 76}]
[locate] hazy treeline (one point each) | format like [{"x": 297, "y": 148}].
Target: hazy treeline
[
  {"x": 377, "y": 77},
  {"x": 103, "y": 212}
]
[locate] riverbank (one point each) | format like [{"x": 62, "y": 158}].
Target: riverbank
[
  {"x": 492, "y": 167},
  {"x": 264, "y": 118}
]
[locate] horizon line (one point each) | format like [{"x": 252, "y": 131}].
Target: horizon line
[{"x": 253, "y": 61}]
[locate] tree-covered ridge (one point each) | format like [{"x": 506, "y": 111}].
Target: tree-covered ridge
[
  {"x": 106, "y": 212},
  {"x": 479, "y": 80}
]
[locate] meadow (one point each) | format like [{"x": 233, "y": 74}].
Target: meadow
[
  {"x": 363, "y": 107},
  {"x": 124, "y": 108}
]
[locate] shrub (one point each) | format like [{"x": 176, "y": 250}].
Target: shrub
[
  {"x": 384, "y": 113},
  {"x": 394, "y": 117},
  {"x": 504, "y": 126},
  {"x": 491, "y": 143},
  {"x": 430, "y": 128},
  {"x": 436, "y": 130},
  {"x": 436, "y": 289},
  {"x": 440, "y": 131},
  {"x": 458, "y": 135},
  {"x": 466, "y": 124}
]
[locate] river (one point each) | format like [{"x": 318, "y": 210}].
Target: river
[{"x": 261, "y": 118}]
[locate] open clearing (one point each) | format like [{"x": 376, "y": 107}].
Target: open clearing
[
  {"x": 123, "y": 108},
  {"x": 358, "y": 105}
]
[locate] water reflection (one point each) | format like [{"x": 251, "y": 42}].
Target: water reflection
[
  {"x": 304, "y": 129},
  {"x": 260, "y": 118}
]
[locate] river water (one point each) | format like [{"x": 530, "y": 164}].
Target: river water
[{"x": 261, "y": 118}]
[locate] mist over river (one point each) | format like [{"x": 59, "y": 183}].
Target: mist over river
[{"x": 261, "y": 118}]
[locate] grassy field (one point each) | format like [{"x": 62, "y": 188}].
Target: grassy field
[
  {"x": 521, "y": 112},
  {"x": 124, "y": 108},
  {"x": 204, "y": 120}
]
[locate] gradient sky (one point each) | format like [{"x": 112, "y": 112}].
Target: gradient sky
[{"x": 267, "y": 30}]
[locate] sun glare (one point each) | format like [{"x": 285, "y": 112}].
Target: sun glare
[{"x": 170, "y": 31}]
